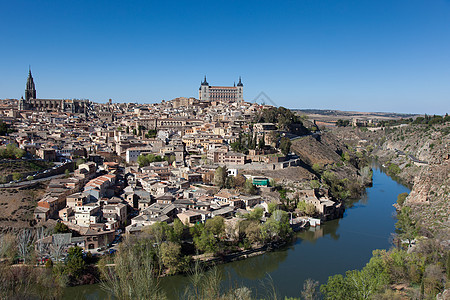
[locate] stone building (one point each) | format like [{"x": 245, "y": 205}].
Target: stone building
[
  {"x": 222, "y": 94},
  {"x": 57, "y": 105}
]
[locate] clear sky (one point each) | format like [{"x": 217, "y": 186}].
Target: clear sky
[{"x": 377, "y": 55}]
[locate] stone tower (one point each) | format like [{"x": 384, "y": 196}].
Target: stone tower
[
  {"x": 30, "y": 91},
  {"x": 240, "y": 92},
  {"x": 203, "y": 91}
]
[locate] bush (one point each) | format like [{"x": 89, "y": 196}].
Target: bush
[
  {"x": 401, "y": 198},
  {"x": 307, "y": 208},
  {"x": 16, "y": 176},
  {"x": 314, "y": 184},
  {"x": 11, "y": 151},
  {"x": 393, "y": 169},
  {"x": 61, "y": 228},
  {"x": 317, "y": 168}
]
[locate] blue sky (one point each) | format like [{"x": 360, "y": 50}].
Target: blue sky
[{"x": 350, "y": 55}]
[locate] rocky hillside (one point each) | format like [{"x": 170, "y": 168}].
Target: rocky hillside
[
  {"x": 17, "y": 206},
  {"x": 338, "y": 166},
  {"x": 418, "y": 155},
  {"x": 430, "y": 198}
]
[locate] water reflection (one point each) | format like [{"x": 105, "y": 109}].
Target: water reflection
[
  {"x": 257, "y": 267},
  {"x": 312, "y": 234}
]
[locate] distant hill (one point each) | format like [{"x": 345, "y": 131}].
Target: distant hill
[{"x": 352, "y": 114}]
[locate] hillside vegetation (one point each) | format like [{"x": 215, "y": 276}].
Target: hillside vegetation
[{"x": 417, "y": 154}]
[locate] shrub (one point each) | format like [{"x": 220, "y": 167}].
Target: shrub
[
  {"x": 393, "y": 169},
  {"x": 401, "y": 198}
]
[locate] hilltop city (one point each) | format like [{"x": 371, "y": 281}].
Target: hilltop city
[{"x": 127, "y": 166}]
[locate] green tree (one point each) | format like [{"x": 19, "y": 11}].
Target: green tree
[
  {"x": 261, "y": 143},
  {"x": 75, "y": 264},
  {"x": 11, "y": 151},
  {"x": 342, "y": 123},
  {"x": 220, "y": 176},
  {"x": 67, "y": 173},
  {"x": 355, "y": 285},
  {"x": 216, "y": 225},
  {"x": 255, "y": 215},
  {"x": 307, "y": 208},
  {"x": 253, "y": 232},
  {"x": 230, "y": 182},
  {"x": 206, "y": 242},
  {"x": 61, "y": 228},
  {"x": 239, "y": 181},
  {"x": 178, "y": 228},
  {"x": 249, "y": 188},
  {"x": 271, "y": 207},
  {"x": 19, "y": 153},
  {"x": 405, "y": 226},
  {"x": 277, "y": 227},
  {"x": 159, "y": 232},
  {"x": 197, "y": 229},
  {"x": 170, "y": 256},
  {"x": 285, "y": 145},
  {"x": 393, "y": 169}
]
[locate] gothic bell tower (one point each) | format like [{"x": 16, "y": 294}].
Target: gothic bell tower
[{"x": 30, "y": 91}]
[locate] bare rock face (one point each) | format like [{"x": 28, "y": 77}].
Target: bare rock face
[
  {"x": 431, "y": 183},
  {"x": 432, "y": 188},
  {"x": 313, "y": 152}
]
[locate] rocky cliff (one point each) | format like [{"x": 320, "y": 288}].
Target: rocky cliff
[{"x": 418, "y": 155}]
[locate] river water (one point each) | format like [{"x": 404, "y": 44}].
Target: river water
[{"x": 335, "y": 247}]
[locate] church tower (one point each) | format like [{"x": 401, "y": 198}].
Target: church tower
[
  {"x": 30, "y": 91},
  {"x": 240, "y": 92},
  {"x": 203, "y": 91}
]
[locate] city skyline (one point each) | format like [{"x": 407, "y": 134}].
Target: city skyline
[{"x": 384, "y": 56}]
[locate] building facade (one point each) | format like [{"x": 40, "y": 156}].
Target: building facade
[
  {"x": 223, "y": 94},
  {"x": 57, "y": 105}
]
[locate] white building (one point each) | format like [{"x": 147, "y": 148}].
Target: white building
[{"x": 132, "y": 154}]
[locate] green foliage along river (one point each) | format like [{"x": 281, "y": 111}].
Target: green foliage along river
[{"x": 333, "y": 248}]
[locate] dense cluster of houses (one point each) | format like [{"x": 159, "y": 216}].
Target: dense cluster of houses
[{"x": 109, "y": 192}]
